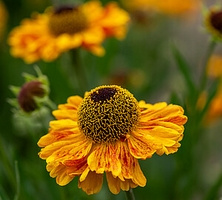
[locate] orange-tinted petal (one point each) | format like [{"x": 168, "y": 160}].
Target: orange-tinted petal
[
  {"x": 65, "y": 149},
  {"x": 105, "y": 157},
  {"x": 130, "y": 168}
]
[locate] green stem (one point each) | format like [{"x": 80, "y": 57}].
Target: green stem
[
  {"x": 209, "y": 52},
  {"x": 6, "y": 164},
  {"x": 130, "y": 194},
  {"x": 51, "y": 104},
  {"x": 79, "y": 70},
  {"x": 17, "y": 176}
]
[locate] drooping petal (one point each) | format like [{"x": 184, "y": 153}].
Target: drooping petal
[
  {"x": 60, "y": 172},
  {"x": 92, "y": 183},
  {"x": 66, "y": 155},
  {"x": 63, "y": 178},
  {"x": 115, "y": 184},
  {"x": 130, "y": 168}
]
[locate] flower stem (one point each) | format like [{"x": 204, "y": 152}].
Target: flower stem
[
  {"x": 79, "y": 70},
  {"x": 17, "y": 176},
  {"x": 209, "y": 52},
  {"x": 130, "y": 194}
]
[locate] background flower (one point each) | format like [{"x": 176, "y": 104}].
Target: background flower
[
  {"x": 47, "y": 35},
  {"x": 213, "y": 21}
]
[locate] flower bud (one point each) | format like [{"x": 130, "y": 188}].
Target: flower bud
[{"x": 28, "y": 93}]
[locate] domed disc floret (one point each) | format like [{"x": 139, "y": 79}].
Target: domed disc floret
[{"x": 108, "y": 113}]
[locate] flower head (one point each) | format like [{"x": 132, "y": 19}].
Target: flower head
[
  {"x": 213, "y": 22},
  {"x": 106, "y": 132},
  {"x": 27, "y": 94},
  {"x": 47, "y": 35}
]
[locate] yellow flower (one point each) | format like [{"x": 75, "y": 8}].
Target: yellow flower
[
  {"x": 214, "y": 68},
  {"x": 106, "y": 132},
  {"x": 215, "y": 109},
  {"x": 213, "y": 22},
  {"x": 170, "y": 7},
  {"x": 47, "y": 35},
  {"x": 214, "y": 112}
]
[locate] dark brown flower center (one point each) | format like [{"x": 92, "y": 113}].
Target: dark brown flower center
[
  {"x": 216, "y": 20},
  {"x": 68, "y": 20},
  {"x": 107, "y": 114}
]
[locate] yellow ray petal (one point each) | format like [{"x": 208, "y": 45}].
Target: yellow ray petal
[
  {"x": 139, "y": 146},
  {"x": 63, "y": 124}
]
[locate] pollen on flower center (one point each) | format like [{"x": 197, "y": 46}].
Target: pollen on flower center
[
  {"x": 67, "y": 20},
  {"x": 108, "y": 113},
  {"x": 216, "y": 20}
]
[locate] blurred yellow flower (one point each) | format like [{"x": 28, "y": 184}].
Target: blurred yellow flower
[
  {"x": 3, "y": 19},
  {"x": 169, "y": 7},
  {"x": 215, "y": 110},
  {"x": 213, "y": 22},
  {"x": 214, "y": 69},
  {"x": 107, "y": 131},
  {"x": 47, "y": 35}
]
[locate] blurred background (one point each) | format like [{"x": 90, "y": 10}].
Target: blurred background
[{"x": 145, "y": 64}]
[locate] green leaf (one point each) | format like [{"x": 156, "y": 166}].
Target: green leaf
[{"x": 184, "y": 69}]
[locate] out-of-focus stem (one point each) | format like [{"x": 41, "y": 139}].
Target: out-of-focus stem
[{"x": 130, "y": 194}]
